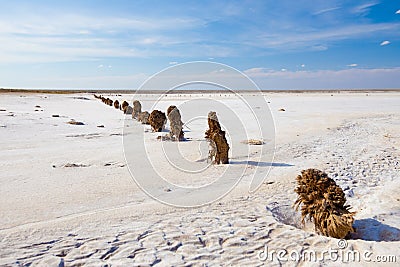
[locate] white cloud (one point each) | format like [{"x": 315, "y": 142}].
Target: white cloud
[
  {"x": 319, "y": 48},
  {"x": 84, "y": 32},
  {"x": 59, "y": 37},
  {"x": 385, "y": 43},
  {"x": 255, "y": 71},
  {"x": 326, "y": 79},
  {"x": 61, "y": 24},
  {"x": 398, "y": 11},
  {"x": 100, "y": 66},
  {"x": 149, "y": 41},
  {"x": 283, "y": 70},
  {"x": 318, "y": 40},
  {"x": 62, "y": 37},
  {"x": 303, "y": 65},
  {"x": 326, "y": 10},
  {"x": 352, "y": 65},
  {"x": 364, "y": 8}
]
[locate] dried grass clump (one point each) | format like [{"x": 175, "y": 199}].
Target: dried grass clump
[
  {"x": 255, "y": 142},
  {"x": 323, "y": 202}
]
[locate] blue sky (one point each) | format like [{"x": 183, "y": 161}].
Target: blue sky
[{"x": 316, "y": 44}]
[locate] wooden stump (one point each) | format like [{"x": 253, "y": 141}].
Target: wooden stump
[
  {"x": 116, "y": 104},
  {"x": 176, "y": 124},
  {"x": 123, "y": 105},
  {"x": 128, "y": 110},
  {"x": 157, "y": 120},
  {"x": 219, "y": 146},
  {"x": 137, "y": 109},
  {"x": 143, "y": 117}
]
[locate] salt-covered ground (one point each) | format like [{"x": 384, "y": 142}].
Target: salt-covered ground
[{"x": 67, "y": 197}]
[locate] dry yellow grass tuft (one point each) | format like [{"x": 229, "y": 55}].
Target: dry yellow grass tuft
[
  {"x": 253, "y": 142},
  {"x": 323, "y": 202}
]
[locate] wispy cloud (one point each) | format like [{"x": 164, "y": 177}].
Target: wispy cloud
[
  {"x": 58, "y": 49},
  {"x": 61, "y": 37},
  {"x": 61, "y": 24},
  {"x": 326, "y": 79},
  {"x": 78, "y": 36},
  {"x": 326, "y": 10},
  {"x": 364, "y": 8},
  {"x": 84, "y": 32},
  {"x": 257, "y": 71},
  {"x": 282, "y": 33},
  {"x": 312, "y": 38},
  {"x": 319, "y": 47}
]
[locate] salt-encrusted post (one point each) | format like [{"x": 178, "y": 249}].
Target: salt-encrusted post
[
  {"x": 219, "y": 147},
  {"x": 175, "y": 123}
]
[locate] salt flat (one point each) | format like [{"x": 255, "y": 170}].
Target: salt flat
[{"x": 67, "y": 196}]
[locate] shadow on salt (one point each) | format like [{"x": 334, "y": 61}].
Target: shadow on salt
[{"x": 260, "y": 164}]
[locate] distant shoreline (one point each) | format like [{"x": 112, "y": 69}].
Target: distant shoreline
[{"x": 132, "y": 91}]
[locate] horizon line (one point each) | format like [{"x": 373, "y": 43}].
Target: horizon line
[{"x": 190, "y": 91}]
